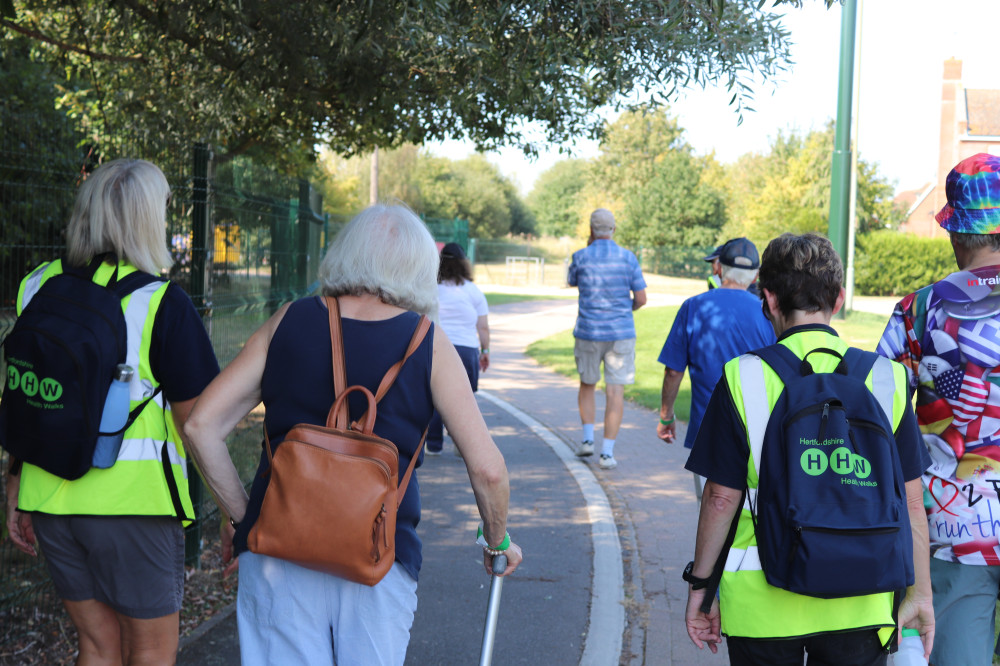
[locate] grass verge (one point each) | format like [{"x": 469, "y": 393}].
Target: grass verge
[{"x": 861, "y": 329}]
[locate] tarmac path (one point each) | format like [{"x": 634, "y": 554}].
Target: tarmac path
[{"x": 582, "y": 596}]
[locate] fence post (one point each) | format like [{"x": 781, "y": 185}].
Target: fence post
[
  {"x": 199, "y": 289},
  {"x": 302, "y": 235}
]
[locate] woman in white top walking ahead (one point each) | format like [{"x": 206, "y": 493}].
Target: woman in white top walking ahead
[{"x": 463, "y": 315}]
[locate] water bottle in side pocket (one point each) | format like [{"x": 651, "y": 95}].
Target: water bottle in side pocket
[{"x": 113, "y": 419}]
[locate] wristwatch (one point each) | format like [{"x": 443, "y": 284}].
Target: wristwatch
[{"x": 696, "y": 583}]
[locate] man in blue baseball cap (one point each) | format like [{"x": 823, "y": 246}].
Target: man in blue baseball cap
[
  {"x": 710, "y": 329},
  {"x": 736, "y": 246}
]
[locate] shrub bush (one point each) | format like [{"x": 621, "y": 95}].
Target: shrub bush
[{"x": 889, "y": 263}]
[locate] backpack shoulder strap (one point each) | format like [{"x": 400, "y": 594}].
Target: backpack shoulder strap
[
  {"x": 134, "y": 281},
  {"x": 341, "y": 419},
  {"x": 861, "y": 363},
  {"x": 419, "y": 333},
  {"x": 782, "y": 360}
]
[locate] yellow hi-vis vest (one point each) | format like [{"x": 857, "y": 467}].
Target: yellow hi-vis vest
[
  {"x": 150, "y": 475},
  {"x": 749, "y": 606}
]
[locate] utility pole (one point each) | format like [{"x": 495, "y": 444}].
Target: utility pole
[
  {"x": 852, "y": 216},
  {"x": 373, "y": 186},
  {"x": 841, "y": 169}
]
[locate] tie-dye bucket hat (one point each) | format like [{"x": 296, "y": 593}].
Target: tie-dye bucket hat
[{"x": 973, "y": 191}]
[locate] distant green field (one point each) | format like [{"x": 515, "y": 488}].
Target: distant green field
[{"x": 861, "y": 329}]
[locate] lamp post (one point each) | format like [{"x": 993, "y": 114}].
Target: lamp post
[{"x": 841, "y": 168}]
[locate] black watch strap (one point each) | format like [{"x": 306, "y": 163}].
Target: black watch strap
[{"x": 696, "y": 583}]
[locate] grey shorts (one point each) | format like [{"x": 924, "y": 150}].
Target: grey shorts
[
  {"x": 134, "y": 564},
  {"x": 965, "y": 601},
  {"x": 618, "y": 357}
]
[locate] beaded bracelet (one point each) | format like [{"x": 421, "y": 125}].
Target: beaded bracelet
[{"x": 672, "y": 419}]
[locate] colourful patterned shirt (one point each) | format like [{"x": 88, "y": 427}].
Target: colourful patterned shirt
[
  {"x": 607, "y": 275},
  {"x": 948, "y": 337}
]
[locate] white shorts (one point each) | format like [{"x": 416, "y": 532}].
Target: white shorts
[{"x": 288, "y": 614}]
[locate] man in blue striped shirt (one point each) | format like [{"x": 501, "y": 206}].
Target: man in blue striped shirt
[{"x": 611, "y": 286}]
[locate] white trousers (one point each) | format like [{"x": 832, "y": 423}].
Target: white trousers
[{"x": 288, "y": 614}]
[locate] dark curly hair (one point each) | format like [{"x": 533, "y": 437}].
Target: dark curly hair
[
  {"x": 803, "y": 272},
  {"x": 454, "y": 270}
]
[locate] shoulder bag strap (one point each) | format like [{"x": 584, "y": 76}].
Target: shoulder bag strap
[
  {"x": 418, "y": 337},
  {"x": 340, "y": 420},
  {"x": 390, "y": 376},
  {"x": 387, "y": 381},
  {"x": 405, "y": 481}
]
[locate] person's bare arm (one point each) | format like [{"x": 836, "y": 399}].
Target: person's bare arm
[
  {"x": 454, "y": 399},
  {"x": 638, "y": 299},
  {"x": 668, "y": 396},
  {"x": 917, "y": 609},
  {"x": 220, "y": 407},
  {"x": 483, "y": 329},
  {"x": 19, "y": 527},
  {"x": 719, "y": 505}
]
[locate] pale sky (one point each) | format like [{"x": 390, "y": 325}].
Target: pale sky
[{"x": 904, "y": 44}]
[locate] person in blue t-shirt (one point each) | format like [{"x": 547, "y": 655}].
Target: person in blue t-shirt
[
  {"x": 710, "y": 329},
  {"x": 611, "y": 288}
]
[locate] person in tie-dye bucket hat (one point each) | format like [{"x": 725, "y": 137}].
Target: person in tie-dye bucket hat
[
  {"x": 973, "y": 191},
  {"x": 947, "y": 335}
]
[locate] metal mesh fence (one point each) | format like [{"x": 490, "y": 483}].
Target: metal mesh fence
[
  {"x": 244, "y": 240},
  {"x": 684, "y": 262}
]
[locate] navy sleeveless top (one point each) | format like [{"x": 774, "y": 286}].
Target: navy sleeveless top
[{"x": 297, "y": 387}]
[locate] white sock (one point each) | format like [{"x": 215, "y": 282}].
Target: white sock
[
  {"x": 588, "y": 432},
  {"x": 609, "y": 447}
]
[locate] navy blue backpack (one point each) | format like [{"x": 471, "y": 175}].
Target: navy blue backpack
[
  {"x": 61, "y": 356},
  {"x": 830, "y": 515}
]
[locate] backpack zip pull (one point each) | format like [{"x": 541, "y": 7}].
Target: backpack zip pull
[
  {"x": 379, "y": 530},
  {"x": 821, "y": 437}
]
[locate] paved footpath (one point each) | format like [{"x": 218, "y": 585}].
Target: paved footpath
[{"x": 604, "y": 550}]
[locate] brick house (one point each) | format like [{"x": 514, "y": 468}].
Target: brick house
[{"x": 970, "y": 124}]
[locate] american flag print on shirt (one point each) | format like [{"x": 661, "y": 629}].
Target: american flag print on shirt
[{"x": 965, "y": 391}]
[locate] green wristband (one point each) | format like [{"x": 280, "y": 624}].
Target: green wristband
[
  {"x": 672, "y": 419},
  {"x": 504, "y": 545}
]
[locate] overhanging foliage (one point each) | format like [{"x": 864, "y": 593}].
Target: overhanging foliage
[{"x": 266, "y": 73}]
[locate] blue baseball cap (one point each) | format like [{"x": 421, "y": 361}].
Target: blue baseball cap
[{"x": 739, "y": 253}]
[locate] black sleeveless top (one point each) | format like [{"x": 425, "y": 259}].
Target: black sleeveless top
[{"x": 297, "y": 387}]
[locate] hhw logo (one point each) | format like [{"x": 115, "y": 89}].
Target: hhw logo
[{"x": 29, "y": 384}]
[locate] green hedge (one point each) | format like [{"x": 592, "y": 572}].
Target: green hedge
[{"x": 888, "y": 263}]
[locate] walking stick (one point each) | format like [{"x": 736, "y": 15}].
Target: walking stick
[{"x": 493, "y": 610}]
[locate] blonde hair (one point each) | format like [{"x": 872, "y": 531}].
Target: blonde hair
[
  {"x": 121, "y": 208},
  {"x": 388, "y": 252}
]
